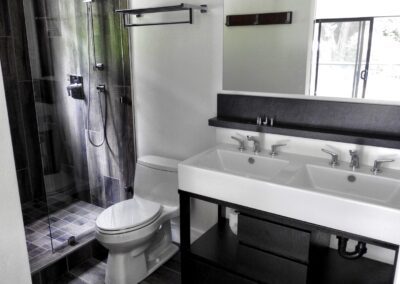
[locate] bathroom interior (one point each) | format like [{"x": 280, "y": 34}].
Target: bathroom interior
[{"x": 227, "y": 141}]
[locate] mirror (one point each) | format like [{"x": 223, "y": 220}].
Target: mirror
[{"x": 331, "y": 48}]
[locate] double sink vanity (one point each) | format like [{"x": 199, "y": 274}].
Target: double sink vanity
[
  {"x": 326, "y": 73},
  {"x": 289, "y": 206}
]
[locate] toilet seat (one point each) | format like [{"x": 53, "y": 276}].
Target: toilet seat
[{"x": 128, "y": 215}]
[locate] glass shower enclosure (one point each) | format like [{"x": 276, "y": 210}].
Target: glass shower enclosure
[{"x": 81, "y": 146}]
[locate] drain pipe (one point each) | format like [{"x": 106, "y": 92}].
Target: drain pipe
[{"x": 359, "y": 251}]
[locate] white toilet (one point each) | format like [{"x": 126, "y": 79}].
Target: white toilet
[{"x": 137, "y": 232}]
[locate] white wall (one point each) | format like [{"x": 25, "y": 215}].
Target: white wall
[
  {"x": 356, "y": 8},
  {"x": 177, "y": 74},
  {"x": 14, "y": 264},
  {"x": 271, "y": 58}
]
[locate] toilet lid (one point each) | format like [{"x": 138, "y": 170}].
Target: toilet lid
[{"x": 128, "y": 214}]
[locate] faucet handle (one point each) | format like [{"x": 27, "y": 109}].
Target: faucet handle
[
  {"x": 252, "y": 138},
  {"x": 377, "y": 165},
  {"x": 274, "y": 147},
  {"x": 335, "y": 157},
  {"x": 241, "y": 143}
]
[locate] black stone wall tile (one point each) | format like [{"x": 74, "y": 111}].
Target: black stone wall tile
[
  {"x": 97, "y": 196},
  {"x": 124, "y": 134},
  {"x": 53, "y": 19},
  {"x": 45, "y": 52},
  {"x": 24, "y": 185},
  {"x": 4, "y": 19},
  {"x": 36, "y": 278},
  {"x": 25, "y": 90},
  {"x": 7, "y": 58},
  {"x": 18, "y": 32},
  {"x": 39, "y": 8},
  {"x": 50, "y": 274},
  {"x": 44, "y": 91},
  {"x": 98, "y": 251},
  {"x": 112, "y": 189},
  {"x": 79, "y": 256},
  {"x": 16, "y": 124}
]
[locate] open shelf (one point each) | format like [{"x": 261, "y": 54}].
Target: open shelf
[
  {"x": 175, "y": 8},
  {"x": 180, "y": 7},
  {"x": 372, "y": 139},
  {"x": 219, "y": 247}
]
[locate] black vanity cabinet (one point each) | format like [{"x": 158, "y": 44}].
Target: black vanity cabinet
[{"x": 272, "y": 249}]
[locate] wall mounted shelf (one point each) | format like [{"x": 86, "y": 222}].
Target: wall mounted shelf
[
  {"x": 358, "y": 123},
  {"x": 140, "y": 12}
]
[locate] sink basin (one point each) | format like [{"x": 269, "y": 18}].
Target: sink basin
[
  {"x": 243, "y": 164},
  {"x": 346, "y": 183},
  {"x": 300, "y": 187}
]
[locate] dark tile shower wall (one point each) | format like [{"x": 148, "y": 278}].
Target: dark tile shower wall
[
  {"x": 20, "y": 100},
  {"x": 100, "y": 174},
  {"x": 36, "y": 61}
]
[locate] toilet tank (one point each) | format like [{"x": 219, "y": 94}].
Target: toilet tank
[{"x": 156, "y": 179}]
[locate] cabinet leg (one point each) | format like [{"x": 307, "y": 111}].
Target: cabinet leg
[{"x": 184, "y": 202}]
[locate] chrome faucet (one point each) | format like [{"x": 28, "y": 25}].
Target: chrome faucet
[
  {"x": 377, "y": 165},
  {"x": 335, "y": 158},
  {"x": 241, "y": 143},
  {"x": 274, "y": 147},
  {"x": 355, "y": 160},
  {"x": 256, "y": 144}
]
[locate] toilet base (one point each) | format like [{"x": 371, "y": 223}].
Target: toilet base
[
  {"x": 134, "y": 266},
  {"x": 166, "y": 255}
]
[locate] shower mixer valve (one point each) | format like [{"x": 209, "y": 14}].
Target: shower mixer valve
[
  {"x": 75, "y": 87},
  {"x": 101, "y": 88},
  {"x": 98, "y": 66}
]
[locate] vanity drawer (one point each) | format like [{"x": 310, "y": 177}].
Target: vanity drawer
[
  {"x": 268, "y": 268},
  {"x": 274, "y": 238}
]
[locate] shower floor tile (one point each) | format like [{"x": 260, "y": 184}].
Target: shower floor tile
[
  {"x": 75, "y": 219},
  {"x": 93, "y": 271}
]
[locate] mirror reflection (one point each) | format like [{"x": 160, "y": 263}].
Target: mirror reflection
[{"x": 346, "y": 49}]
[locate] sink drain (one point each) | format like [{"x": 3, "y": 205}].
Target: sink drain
[
  {"x": 351, "y": 178},
  {"x": 251, "y": 160}
]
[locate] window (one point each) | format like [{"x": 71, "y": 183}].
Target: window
[{"x": 357, "y": 58}]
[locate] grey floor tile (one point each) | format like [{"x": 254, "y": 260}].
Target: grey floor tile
[
  {"x": 91, "y": 271},
  {"x": 31, "y": 246},
  {"x": 43, "y": 242},
  {"x": 163, "y": 275},
  {"x": 70, "y": 279},
  {"x": 174, "y": 263},
  {"x": 35, "y": 236},
  {"x": 37, "y": 233},
  {"x": 36, "y": 252}
]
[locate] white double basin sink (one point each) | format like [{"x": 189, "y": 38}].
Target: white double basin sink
[{"x": 300, "y": 187}]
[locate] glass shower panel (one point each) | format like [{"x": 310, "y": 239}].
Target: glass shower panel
[
  {"x": 83, "y": 110},
  {"x": 64, "y": 168}
]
